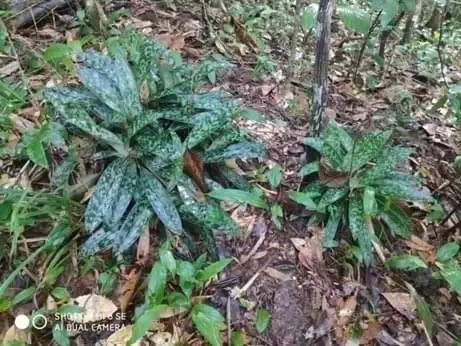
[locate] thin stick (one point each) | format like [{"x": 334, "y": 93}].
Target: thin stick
[
  {"x": 364, "y": 44},
  {"x": 439, "y": 44}
]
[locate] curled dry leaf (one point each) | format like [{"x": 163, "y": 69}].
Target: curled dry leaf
[
  {"x": 402, "y": 303},
  {"x": 194, "y": 167},
  {"x": 164, "y": 339},
  {"x": 370, "y": 333},
  {"x": 310, "y": 252},
  {"x": 276, "y": 274},
  {"x": 95, "y": 308}
]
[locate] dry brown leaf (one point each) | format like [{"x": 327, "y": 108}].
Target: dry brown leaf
[
  {"x": 371, "y": 332},
  {"x": 194, "y": 167},
  {"x": 132, "y": 276},
  {"x": 121, "y": 337},
  {"x": 401, "y": 302},
  {"x": 8, "y": 69},
  {"x": 95, "y": 308},
  {"x": 418, "y": 244},
  {"x": 175, "y": 42},
  {"x": 15, "y": 334},
  {"x": 310, "y": 255}
]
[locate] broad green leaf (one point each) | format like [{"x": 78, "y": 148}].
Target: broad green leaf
[
  {"x": 370, "y": 206},
  {"x": 246, "y": 150},
  {"x": 277, "y": 215},
  {"x": 60, "y": 293},
  {"x": 161, "y": 202},
  {"x": 132, "y": 227},
  {"x": 308, "y": 169},
  {"x": 60, "y": 335},
  {"x": 24, "y": 295},
  {"x": 239, "y": 339},
  {"x": 106, "y": 282},
  {"x": 274, "y": 176},
  {"x": 36, "y": 153},
  {"x": 391, "y": 9},
  {"x": 262, "y": 319},
  {"x": 145, "y": 321},
  {"x": 359, "y": 229},
  {"x": 405, "y": 262},
  {"x": 315, "y": 143},
  {"x": 331, "y": 196},
  {"x": 105, "y": 195},
  {"x": 403, "y": 190},
  {"x": 303, "y": 198},
  {"x": 387, "y": 163},
  {"x": 239, "y": 196},
  {"x": 447, "y": 251},
  {"x": 61, "y": 174},
  {"x": 156, "y": 283},
  {"x": 354, "y": 19},
  {"x": 409, "y": 5},
  {"x": 336, "y": 144},
  {"x": 209, "y": 323},
  {"x": 101, "y": 240},
  {"x": 451, "y": 272},
  {"x": 186, "y": 272},
  {"x": 308, "y": 17},
  {"x": 167, "y": 258},
  {"x": 125, "y": 192},
  {"x": 205, "y": 126},
  {"x": 368, "y": 148},
  {"x": 212, "y": 270},
  {"x": 424, "y": 313}
]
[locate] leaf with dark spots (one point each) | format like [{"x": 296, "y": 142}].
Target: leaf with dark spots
[
  {"x": 245, "y": 150},
  {"x": 194, "y": 167},
  {"x": 161, "y": 202}
]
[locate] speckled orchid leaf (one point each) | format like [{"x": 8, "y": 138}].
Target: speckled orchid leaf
[
  {"x": 206, "y": 125},
  {"x": 125, "y": 192},
  {"x": 331, "y": 196},
  {"x": 101, "y": 240},
  {"x": 164, "y": 144},
  {"x": 133, "y": 226},
  {"x": 141, "y": 121},
  {"x": 368, "y": 148},
  {"x": 111, "y": 80},
  {"x": 245, "y": 150},
  {"x": 335, "y": 214},
  {"x": 387, "y": 163},
  {"x": 82, "y": 120},
  {"x": 358, "y": 227},
  {"x": 336, "y": 144},
  {"x": 203, "y": 214},
  {"x": 105, "y": 195},
  {"x": 315, "y": 143},
  {"x": 403, "y": 187},
  {"x": 61, "y": 97},
  {"x": 207, "y": 101},
  {"x": 161, "y": 202},
  {"x": 227, "y": 136}
]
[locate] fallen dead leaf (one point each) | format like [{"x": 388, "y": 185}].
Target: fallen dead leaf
[
  {"x": 370, "y": 332},
  {"x": 243, "y": 35},
  {"x": 310, "y": 254},
  {"x": 9, "y": 69},
  {"x": 15, "y": 334},
  {"x": 121, "y": 337},
  {"x": 95, "y": 308},
  {"x": 174, "y": 42},
  {"x": 194, "y": 167},
  {"x": 418, "y": 244},
  {"x": 401, "y": 302}
]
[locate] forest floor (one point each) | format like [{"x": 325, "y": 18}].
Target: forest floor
[{"x": 315, "y": 297}]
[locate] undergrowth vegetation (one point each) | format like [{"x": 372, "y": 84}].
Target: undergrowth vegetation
[{"x": 149, "y": 123}]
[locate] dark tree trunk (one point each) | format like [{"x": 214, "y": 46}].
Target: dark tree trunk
[
  {"x": 320, "y": 80},
  {"x": 322, "y": 51}
]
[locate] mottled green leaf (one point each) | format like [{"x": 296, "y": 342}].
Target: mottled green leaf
[
  {"x": 156, "y": 283},
  {"x": 396, "y": 219},
  {"x": 354, "y": 19},
  {"x": 424, "y": 313},
  {"x": 335, "y": 214},
  {"x": 370, "y": 206},
  {"x": 358, "y": 227},
  {"x": 451, "y": 272},
  {"x": 36, "y": 152},
  {"x": 387, "y": 163},
  {"x": 309, "y": 168},
  {"x": 105, "y": 195},
  {"x": 332, "y": 195},
  {"x": 405, "y": 262},
  {"x": 262, "y": 319},
  {"x": 447, "y": 251},
  {"x": 101, "y": 240},
  {"x": 403, "y": 190},
  {"x": 238, "y": 196},
  {"x": 209, "y": 323},
  {"x": 206, "y": 125},
  {"x": 368, "y": 148},
  {"x": 235, "y": 151},
  {"x": 60, "y": 335},
  {"x": 167, "y": 258},
  {"x": 161, "y": 202},
  {"x": 132, "y": 227},
  {"x": 315, "y": 143}
]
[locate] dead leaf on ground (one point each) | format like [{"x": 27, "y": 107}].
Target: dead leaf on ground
[
  {"x": 121, "y": 337},
  {"x": 15, "y": 334},
  {"x": 194, "y": 167},
  {"x": 243, "y": 35},
  {"x": 132, "y": 276},
  {"x": 371, "y": 332},
  {"x": 95, "y": 308},
  {"x": 310, "y": 253},
  {"x": 276, "y": 274},
  {"x": 8, "y": 69},
  {"x": 401, "y": 302},
  {"x": 418, "y": 244}
]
